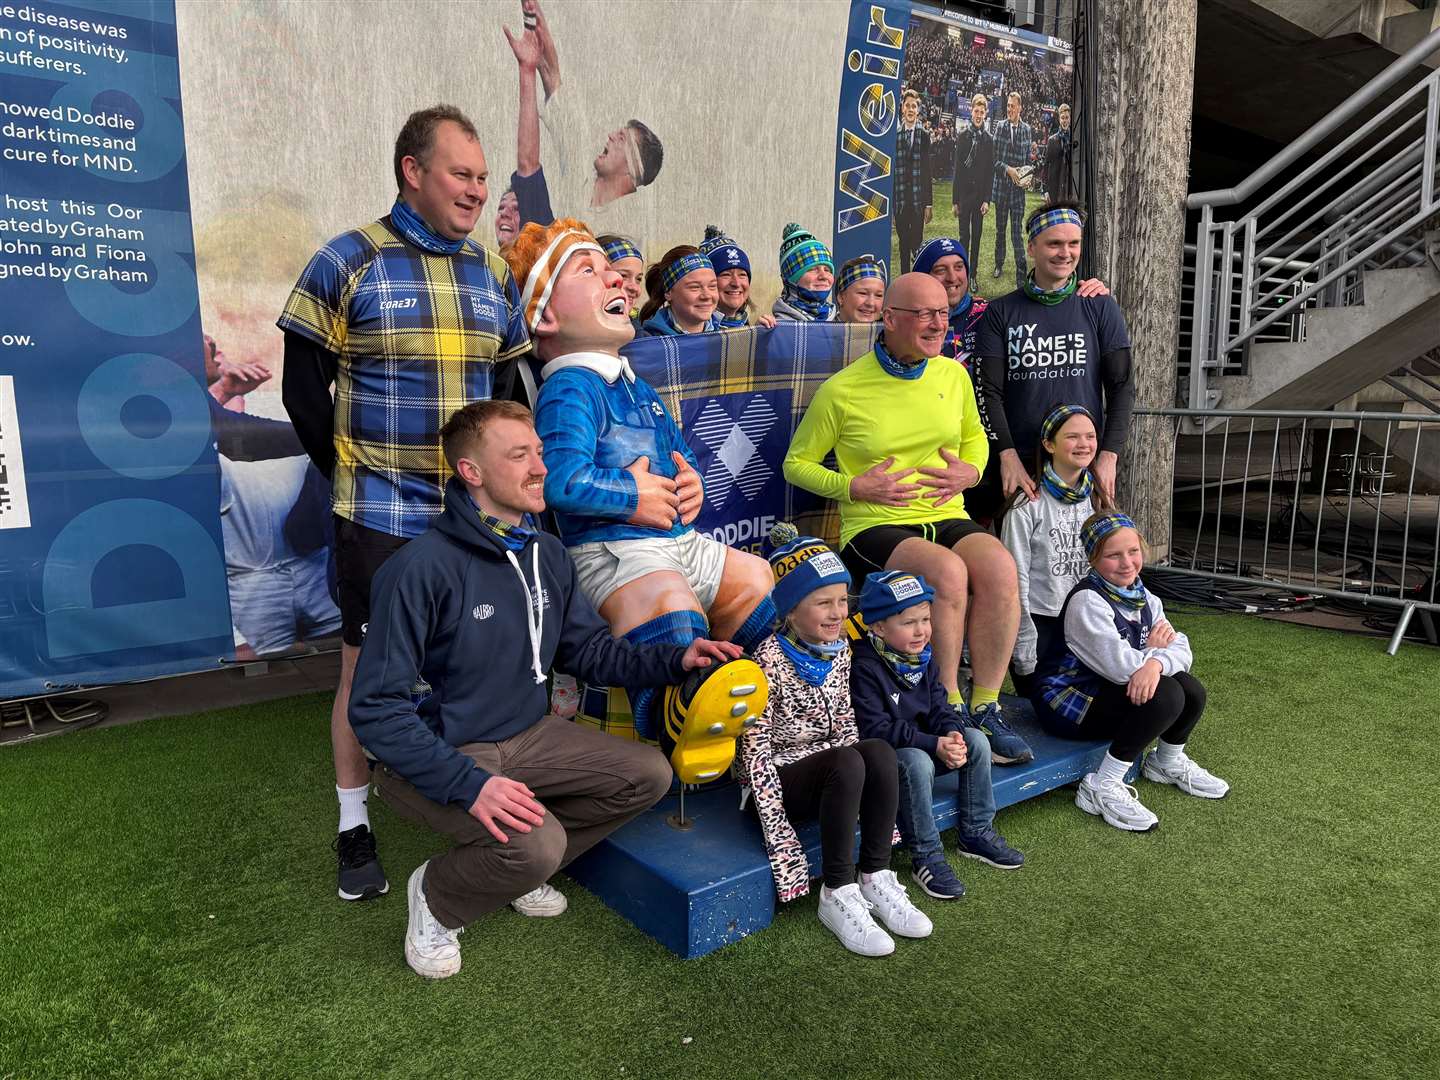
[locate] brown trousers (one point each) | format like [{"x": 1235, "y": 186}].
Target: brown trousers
[{"x": 589, "y": 783}]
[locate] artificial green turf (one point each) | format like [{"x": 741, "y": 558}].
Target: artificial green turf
[{"x": 167, "y": 909}]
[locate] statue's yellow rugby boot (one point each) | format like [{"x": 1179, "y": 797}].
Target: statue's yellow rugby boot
[{"x": 707, "y": 712}]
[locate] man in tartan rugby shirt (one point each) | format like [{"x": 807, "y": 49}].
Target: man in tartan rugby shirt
[
  {"x": 913, "y": 186},
  {"x": 1013, "y": 137},
  {"x": 410, "y": 320}
]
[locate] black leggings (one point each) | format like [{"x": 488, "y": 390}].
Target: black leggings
[
  {"x": 843, "y": 785},
  {"x": 1170, "y": 715}
]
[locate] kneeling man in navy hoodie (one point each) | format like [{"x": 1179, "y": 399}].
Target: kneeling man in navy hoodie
[{"x": 450, "y": 693}]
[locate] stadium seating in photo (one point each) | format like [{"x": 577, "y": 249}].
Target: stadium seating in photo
[{"x": 696, "y": 890}]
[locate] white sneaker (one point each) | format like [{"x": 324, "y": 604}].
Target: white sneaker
[
  {"x": 847, "y": 914},
  {"x": 543, "y": 903},
  {"x": 892, "y": 906},
  {"x": 1186, "y": 775},
  {"x": 431, "y": 949},
  {"x": 1115, "y": 801}
]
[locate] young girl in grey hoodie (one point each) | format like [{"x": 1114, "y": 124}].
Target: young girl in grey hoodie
[{"x": 1043, "y": 535}]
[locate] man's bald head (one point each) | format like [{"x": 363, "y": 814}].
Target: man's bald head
[
  {"x": 915, "y": 290},
  {"x": 916, "y": 317}
]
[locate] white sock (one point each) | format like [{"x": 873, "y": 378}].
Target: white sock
[
  {"x": 352, "y": 806},
  {"x": 1112, "y": 768},
  {"x": 1168, "y": 753}
]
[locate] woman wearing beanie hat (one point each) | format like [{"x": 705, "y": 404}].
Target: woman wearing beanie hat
[
  {"x": 808, "y": 271},
  {"x": 860, "y": 290},
  {"x": 732, "y": 275},
  {"x": 682, "y": 295},
  {"x": 805, "y": 757},
  {"x": 626, "y": 260}
]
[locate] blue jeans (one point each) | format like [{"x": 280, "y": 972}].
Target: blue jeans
[
  {"x": 975, "y": 805},
  {"x": 275, "y": 606}
]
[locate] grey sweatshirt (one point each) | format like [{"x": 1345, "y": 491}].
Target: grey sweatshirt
[
  {"x": 1091, "y": 635},
  {"x": 1044, "y": 538}
]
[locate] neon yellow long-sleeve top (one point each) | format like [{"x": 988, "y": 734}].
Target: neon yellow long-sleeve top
[{"x": 865, "y": 415}]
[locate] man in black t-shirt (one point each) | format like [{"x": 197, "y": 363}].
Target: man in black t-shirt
[{"x": 1044, "y": 344}]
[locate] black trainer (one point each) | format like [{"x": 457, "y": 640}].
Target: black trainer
[{"x": 361, "y": 877}]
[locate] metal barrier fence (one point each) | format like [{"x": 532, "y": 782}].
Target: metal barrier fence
[{"x": 1340, "y": 504}]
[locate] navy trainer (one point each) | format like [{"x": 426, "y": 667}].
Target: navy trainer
[
  {"x": 1006, "y": 747},
  {"x": 360, "y": 876},
  {"x": 989, "y": 847},
  {"x": 936, "y": 879}
]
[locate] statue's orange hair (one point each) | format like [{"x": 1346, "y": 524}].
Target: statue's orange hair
[{"x": 522, "y": 252}]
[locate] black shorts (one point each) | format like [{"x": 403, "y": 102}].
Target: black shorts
[
  {"x": 870, "y": 550},
  {"x": 359, "y": 553}
]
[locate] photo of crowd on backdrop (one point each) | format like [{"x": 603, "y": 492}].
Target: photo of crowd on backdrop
[{"x": 984, "y": 139}]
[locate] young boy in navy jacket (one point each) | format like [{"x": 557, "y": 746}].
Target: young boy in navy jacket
[{"x": 898, "y": 697}]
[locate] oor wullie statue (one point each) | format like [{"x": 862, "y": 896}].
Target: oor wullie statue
[{"x": 625, "y": 489}]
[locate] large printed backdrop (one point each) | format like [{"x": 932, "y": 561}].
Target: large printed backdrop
[{"x": 289, "y": 149}]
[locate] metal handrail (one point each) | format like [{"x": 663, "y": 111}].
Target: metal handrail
[
  {"x": 1362, "y": 205},
  {"x": 1321, "y": 129}
]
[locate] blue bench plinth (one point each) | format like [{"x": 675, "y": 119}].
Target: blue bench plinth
[{"x": 697, "y": 889}]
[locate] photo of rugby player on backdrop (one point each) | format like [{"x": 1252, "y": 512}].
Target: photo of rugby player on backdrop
[{"x": 983, "y": 140}]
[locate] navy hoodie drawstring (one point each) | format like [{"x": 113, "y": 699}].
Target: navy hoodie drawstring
[{"x": 534, "y": 607}]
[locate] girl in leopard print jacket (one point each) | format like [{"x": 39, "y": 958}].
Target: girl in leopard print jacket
[{"x": 805, "y": 759}]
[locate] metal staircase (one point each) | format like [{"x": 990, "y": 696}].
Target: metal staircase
[{"x": 1319, "y": 275}]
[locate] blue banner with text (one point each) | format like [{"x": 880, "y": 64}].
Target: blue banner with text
[
  {"x": 865, "y": 132},
  {"x": 111, "y": 560}
]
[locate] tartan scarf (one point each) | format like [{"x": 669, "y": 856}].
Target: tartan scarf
[
  {"x": 909, "y": 668},
  {"x": 895, "y": 367},
  {"x": 1133, "y": 598},
  {"x": 514, "y": 537},
  {"x": 814, "y": 306},
  {"x": 663, "y": 323},
  {"x": 812, "y": 660},
  {"x": 1050, "y": 297},
  {"x": 734, "y": 322},
  {"x": 1051, "y": 482},
  {"x": 412, "y": 226}
]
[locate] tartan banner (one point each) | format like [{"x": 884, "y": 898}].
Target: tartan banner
[{"x": 738, "y": 397}]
